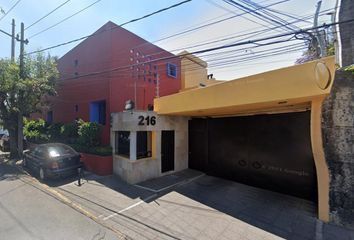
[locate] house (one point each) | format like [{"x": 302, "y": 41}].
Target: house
[
  {"x": 89, "y": 89},
  {"x": 262, "y": 130}
]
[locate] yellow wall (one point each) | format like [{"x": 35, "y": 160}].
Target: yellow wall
[
  {"x": 279, "y": 89},
  {"x": 192, "y": 73}
]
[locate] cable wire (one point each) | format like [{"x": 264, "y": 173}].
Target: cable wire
[
  {"x": 206, "y": 25},
  {"x": 56, "y": 24},
  {"x": 40, "y": 19},
  {"x": 215, "y": 48},
  {"x": 13, "y": 6}
]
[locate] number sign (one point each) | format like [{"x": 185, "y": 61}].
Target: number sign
[{"x": 148, "y": 120}]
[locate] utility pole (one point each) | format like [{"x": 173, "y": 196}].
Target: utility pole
[
  {"x": 22, "y": 76},
  {"x": 319, "y": 35},
  {"x": 13, "y": 38}
]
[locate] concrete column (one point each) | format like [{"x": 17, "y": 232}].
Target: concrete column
[
  {"x": 133, "y": 145},
  {"x": 346, "y": 12}
]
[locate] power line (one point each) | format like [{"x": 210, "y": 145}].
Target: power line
[
  {"x": 13, "y": 6},
  {"x": 255, "y": 13},
  {"x": 268, "y": 11},
  {"x": 156, "y": 12},
  {"x": 210, "y": 24},
  {"x": 219, "y": 59},
  {"x": 40, "y": 19},
  {"x": 6, "y": 33},
  {"x": 56, "y": 24},
  {"x": 246, "y": 36},
  {"x": 255, "y": 33},
  {"x": 255, "y": 41},
  {"x": 220, "y": 65},
  {"x": 180, "y": 33},
  {"x": 252, "y": 34},
  {"x": 228, "y": 10},
  {"x": 125, "y": 23}
]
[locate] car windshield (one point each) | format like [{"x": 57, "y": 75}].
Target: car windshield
[{"x": 60, "y": 150}]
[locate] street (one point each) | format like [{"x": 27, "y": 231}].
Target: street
[
  {"x": 186, "y": 205},
  {"x": 27, "y": 212}
]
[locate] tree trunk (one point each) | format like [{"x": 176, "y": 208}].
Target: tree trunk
[
  {"x": 20, "y": 135},
  {"x": 13, "y": 143}
]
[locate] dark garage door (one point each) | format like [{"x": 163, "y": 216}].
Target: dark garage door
[{"x": 268, "y": 151}]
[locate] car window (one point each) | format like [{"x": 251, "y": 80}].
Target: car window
[
  {"x": 60, "y": 150},
  {"x": 39, "y": 152}
]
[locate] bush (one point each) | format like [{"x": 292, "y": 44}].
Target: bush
[
  {"x": 89, "y": 133},
  {"x": 82, "y": 136},
  {"x": 54, "y": 131},
  {"x": 69, "y": 132},
  {"x": 35, "y": 131}
]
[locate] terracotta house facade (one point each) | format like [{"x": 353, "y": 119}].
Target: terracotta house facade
[{"x": 104, "y": 71}]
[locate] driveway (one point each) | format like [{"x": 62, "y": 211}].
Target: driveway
[{"x": 199, "y": 207}]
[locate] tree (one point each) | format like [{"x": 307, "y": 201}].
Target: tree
[{"x": 23, "y": 96}]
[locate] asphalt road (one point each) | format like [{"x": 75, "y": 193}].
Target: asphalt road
[{"x": 27, "y": 212}]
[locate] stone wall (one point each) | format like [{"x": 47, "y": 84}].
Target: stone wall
[
  {"x": 346, "y": 12},
  {"x": 137, "y": 170},
  {"x": 338, "y": 141}
]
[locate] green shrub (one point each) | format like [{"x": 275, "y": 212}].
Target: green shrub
[
  {"x": 69, "y": 132},
  {"x": 349, "y": 68},
  {"x": 89, "y": 133},
  {"x": 35, "y": 131},
  {"x": 54, "y": 132}
]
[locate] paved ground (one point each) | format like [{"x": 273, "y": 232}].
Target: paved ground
[
  {"x": 28, "y": 212},
  {"x": 195, "y": 207},
  {"x": 200, "y": 207}
]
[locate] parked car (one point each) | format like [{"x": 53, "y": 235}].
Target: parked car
[{"x": 52, "y": 160}]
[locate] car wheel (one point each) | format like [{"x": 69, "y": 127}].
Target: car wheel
[{"x": 41, "y": 174}]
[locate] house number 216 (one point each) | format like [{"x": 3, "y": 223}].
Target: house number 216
[{"x": 149, "y": 120}]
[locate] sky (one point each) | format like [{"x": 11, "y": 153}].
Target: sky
[{"x": 241, "y": 61}]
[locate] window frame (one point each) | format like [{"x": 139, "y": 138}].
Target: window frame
[{"x": 169, "y": 65}]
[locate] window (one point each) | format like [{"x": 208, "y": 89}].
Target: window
[
  {"x": 76, "y": 108},
  {"x": 39, "y": 152},
  {"x": 171, "y": 70},
  {"x": 143, "y": 144},
  {"x": 122, "y": 143},
  {"x": 98, "y": 112},
  {"x": 76, "y": 62},
  {"x": 50, "y": 116}
]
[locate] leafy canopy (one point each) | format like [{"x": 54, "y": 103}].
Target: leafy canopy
[{"x": 27, "y": 94}]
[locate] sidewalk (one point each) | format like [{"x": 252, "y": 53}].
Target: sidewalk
[{"x": 198, "y": 207}]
